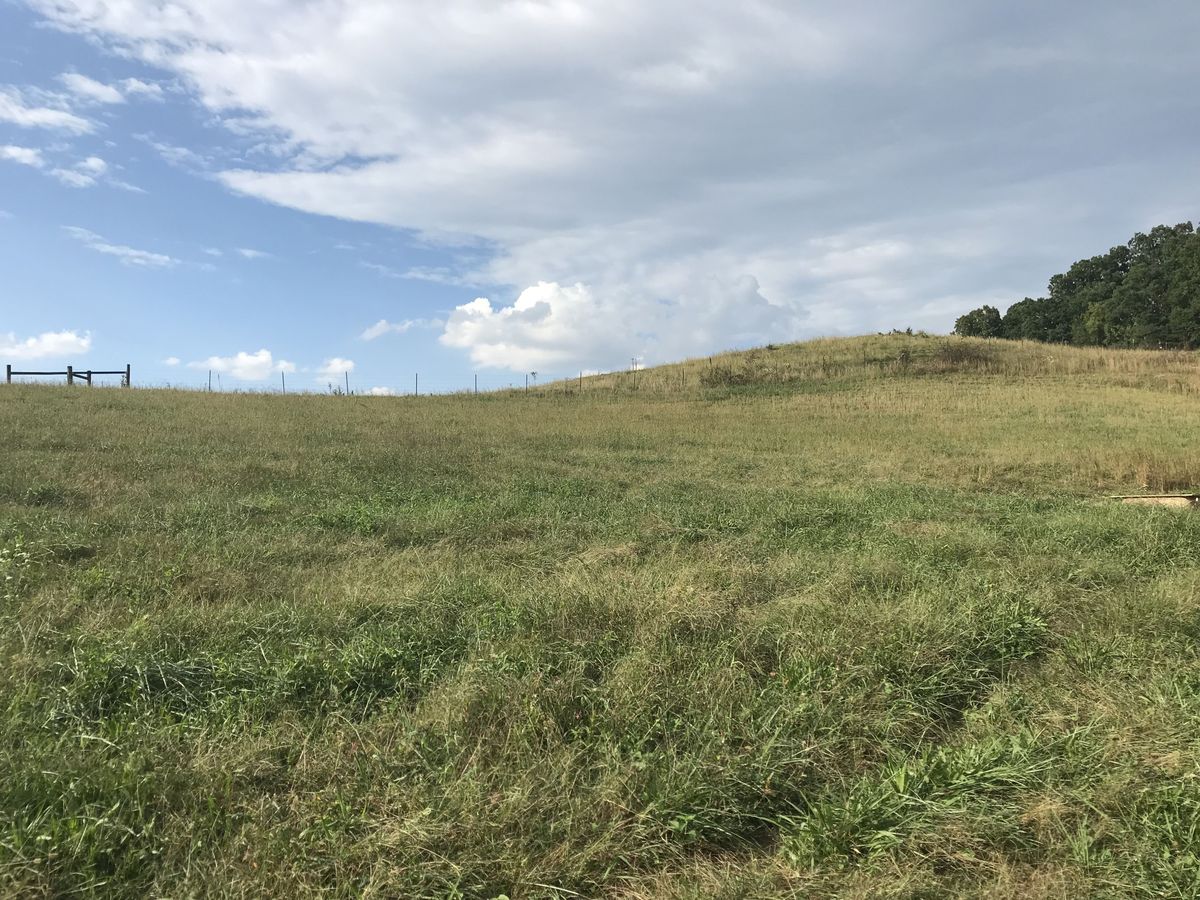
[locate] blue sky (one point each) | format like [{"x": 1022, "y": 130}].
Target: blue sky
[
  {"x": 307, "y": 299},
  {"x": 463, "y": 187}
]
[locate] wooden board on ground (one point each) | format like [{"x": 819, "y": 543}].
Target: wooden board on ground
[{"x": 1181, "y": 501}]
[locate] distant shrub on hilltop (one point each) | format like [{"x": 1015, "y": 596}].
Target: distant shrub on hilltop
[{"x": 1145, "y": 293}]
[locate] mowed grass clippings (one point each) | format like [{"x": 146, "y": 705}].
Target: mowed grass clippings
[{"x": 845, "y": 618}]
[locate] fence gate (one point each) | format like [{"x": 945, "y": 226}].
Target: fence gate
[{"x": 72, "y": 374}]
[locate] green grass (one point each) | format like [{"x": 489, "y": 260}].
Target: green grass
[{"x": 845, "y": 618}]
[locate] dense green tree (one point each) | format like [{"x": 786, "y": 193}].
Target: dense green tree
[
  {"x": 1145, "y": 293},
  {"x": 982, "y": 322}
]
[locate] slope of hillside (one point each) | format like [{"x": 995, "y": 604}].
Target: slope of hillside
[
  {"x": 814, "y": 363},
  {"x": 838, "y": 618}
]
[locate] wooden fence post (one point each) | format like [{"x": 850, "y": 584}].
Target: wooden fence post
[
  {"x": 70, "y": 374},
  {"x": 8, "y": 373},
  {"x": 128, "y": 374}
]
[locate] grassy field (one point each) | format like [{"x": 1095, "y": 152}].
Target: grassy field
[{"x": 845, "y": 618}]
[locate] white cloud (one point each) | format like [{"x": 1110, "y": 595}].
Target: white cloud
[
  {"x": 93, "y": 165},
  {"x": 334, "y": 369},
  {"x": 83, "y": 174},
  {"x": 182, "y": 157},
  {"x": 125, "y": 186},
  {"x": 46, "y": 344},
  {"x": 171, "y": 361},
  {"x": 383, "y": 326},
  {"x": 93, "y": 91},
  {"x": 439, "y": 275},
  {"x": 73, "y": 178},
  {"x": 249, "y": 253},
  {"x": 381, "y": 392},
  {"x": 13, "y": 109},
  {"x": 380, "y": 328},
  {"x": 130, "y": 256},
  {"x": 137, "y": 88},
  {"x": 551, "y": 325},
  {"x": 89, "y": 89},
  {"x": 678, "y": 176},
  {"x": 26, "y": 156},
  {"x": 385, "y": 271},
  {"x": 245, "y": 366}
]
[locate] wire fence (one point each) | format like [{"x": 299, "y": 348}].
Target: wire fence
[
  {"x": 421, "y": 385},
  {"x": 475, "y": 384}
]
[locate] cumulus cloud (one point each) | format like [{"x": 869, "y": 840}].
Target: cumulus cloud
[
  {"x": 334, "y": 368},
  {"x": 245, "y": 366},
  {"x": 381, "y": 392},
  {"x": 130, "y": 256},
  {"x": 25, "y": 156},
  {"x": 48, "y": 344},
  {"x": 15, "y": 110},
  {"x": 676, "y": 176},
  {"x": 554, "y": 326},
  {"x": 171, "y": 361},
  {"x": 250, "y": 253}
]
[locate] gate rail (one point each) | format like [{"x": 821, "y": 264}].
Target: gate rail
[{"x": 72, "y": 374}]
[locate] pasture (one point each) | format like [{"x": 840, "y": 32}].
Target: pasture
[{"x": 842, "y": 618}]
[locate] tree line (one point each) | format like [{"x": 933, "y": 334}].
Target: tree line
[{"x": 1145, "y": 293}]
